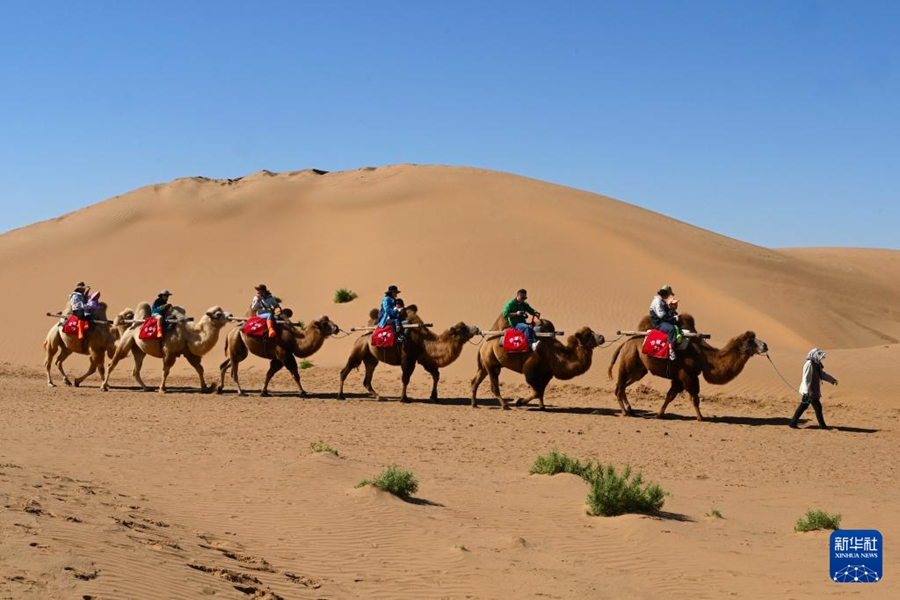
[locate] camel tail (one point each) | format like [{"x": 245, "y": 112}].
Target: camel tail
[{"x": 612, "y": 363}]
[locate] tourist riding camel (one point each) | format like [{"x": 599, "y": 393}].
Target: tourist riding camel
[
  {"x": 390, "y": 312},
  {"x": 191, "y": 339},
  {"x": 552, "y": 359},
  {"x": 664, "y": 316},
  {"x": 718, "y": 366},
  {"x": 160, "y": 310},
  {"x": 78, "y": 300},
  {"x": 423, "y": 346},
  {"x": 266, "y": 306},
  {"x": 516, "y": 313},
  {"x": 291, "y": 342}
]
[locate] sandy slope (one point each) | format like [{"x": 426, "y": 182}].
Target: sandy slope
[{"x": 189, "y": 495}]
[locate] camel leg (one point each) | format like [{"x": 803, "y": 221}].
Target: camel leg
[
  {"x": 290, "y": 363},
  {"x": 538, "y": 383},
  {"x": 274, "y": 367},
  {"x": 63, "y": 355},
  {"x": 138, "y": 356},
  {"x": 222, "y": 369},
  {"x": 675, "y": 389},
  {"x": 625, "y": 379},
  {"x": 353, "y": 362},
  {"x": 196, "y": 362},
  {"x": 96, "y": 360},
  {"x": 435, "y": 377},
  {"x": 494, "y": 373},
  {"x": 168, "y": 361},
  {"x": 50, "y": 347},
  {"x": 122, "y": 348},
  {"x": 370, "y": 362},
  {"x": 407, "y": 368},
  {"x": 476, "y": 381},
  {"x": 692, "y": 387}
]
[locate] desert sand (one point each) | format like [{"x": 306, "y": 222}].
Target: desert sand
[{"x": 139, "y": 495}]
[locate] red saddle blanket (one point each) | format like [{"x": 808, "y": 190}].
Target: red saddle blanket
[
  {"x": 148, "y": 329},
  {"x": 656, "y": 344},
  {"x": 515, "y": 341},
  {"x": 384, "y": 337},
  {"x": 256, "y": 326},
  {"x": 71, "y": 326}
]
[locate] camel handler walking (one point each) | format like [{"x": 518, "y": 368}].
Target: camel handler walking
[
  {"x": 811, "y": 387},
  {"x": 516, "y": 314},
  {"x": 265, "y": 305}
]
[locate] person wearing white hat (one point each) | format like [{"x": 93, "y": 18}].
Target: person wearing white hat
[{"x": 811, "y": 387}]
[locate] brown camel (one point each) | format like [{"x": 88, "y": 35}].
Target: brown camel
[
  {"x": 291, "y": 342},
  {"x": 184, "y": 338},
  {"x": 422, "y": 346},
  {"x": 718, "y": 366},
  {"x": 551, "y": 359},
  {"x": 98, "y": 341}
]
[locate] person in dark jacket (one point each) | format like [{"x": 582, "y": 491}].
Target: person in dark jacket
[
  {"x": 664, "y": 317},
  {"x": 78, "y": 305},
  {"x": 811, "y": 387},
  {"x": 390, "y": 312},
  {"x": 160, "y": 310}
]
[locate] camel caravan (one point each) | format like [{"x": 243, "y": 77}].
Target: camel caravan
[{"x": 665, "y": 344}]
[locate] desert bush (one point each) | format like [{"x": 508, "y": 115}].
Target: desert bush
[
  {"x": 321, "y": 446},
  {"x": 395, "y": 481},
  {"x": 817, "y": 519},
  {"x": 610, "y": 493},
  {"x": 554, "y": 462},
  {"x": 305, "y": 364},
  {"x": 344, "y": 295}
]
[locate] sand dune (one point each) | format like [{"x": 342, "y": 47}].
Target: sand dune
[{"x": 135, "y": 495}]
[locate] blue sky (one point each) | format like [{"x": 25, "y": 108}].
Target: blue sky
[{"x": 777, "y": 123}]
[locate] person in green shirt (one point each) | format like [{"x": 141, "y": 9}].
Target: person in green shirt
[{"x": 516, "y": 314}]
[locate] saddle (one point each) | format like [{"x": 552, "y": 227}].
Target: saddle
[
  {"x": 384, "y": 337},
  {"x": 71, "y": 325},
  {"x": 148, "y": 329},
  {"x": 256, "y": 327},
  {"x": 515, "y": 341},
  {"x": 656, "y": 344}
]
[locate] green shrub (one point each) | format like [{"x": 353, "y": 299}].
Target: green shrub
[
  {"x": 394, "y": 480},
  {"x": 305, "y": 364},
  {"x": 817, "y": 519},
  {"x": 554, "y": 462},
  {"x": 715, "y": 514},
  {"x": 321, "y": 446},
  {"x": 612, "y": 494},
  {"x": 344, "y": 295}
]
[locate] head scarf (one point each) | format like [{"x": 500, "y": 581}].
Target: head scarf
[{"x": 816, "y": 355}]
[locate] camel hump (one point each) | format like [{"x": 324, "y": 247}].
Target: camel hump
[{"x": 373, "y": 314}]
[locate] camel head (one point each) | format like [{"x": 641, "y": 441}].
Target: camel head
[
  {"x": 588, "y": 338},
  {"x": 464, "y": 332},
  {"x": 325, "y": 325},
  {"x": 218, "y": 316},
  {"x": 751, "y": 345}
]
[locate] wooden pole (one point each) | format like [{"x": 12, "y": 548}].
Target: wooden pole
[{"x": 687, "y": 334}]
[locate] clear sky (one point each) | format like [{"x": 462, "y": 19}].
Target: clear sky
[{"x": 774, "y": 122}]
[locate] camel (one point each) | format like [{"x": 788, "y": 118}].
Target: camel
[
  {"x": 280, "y": 351},
  {"x": 551, "y": 359},
  {"x": 98, "y": 341},
  {"x": 422, "y": 346},
  {"x": 718, "y": 366},
  {"x": 184, "y": 338}
]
